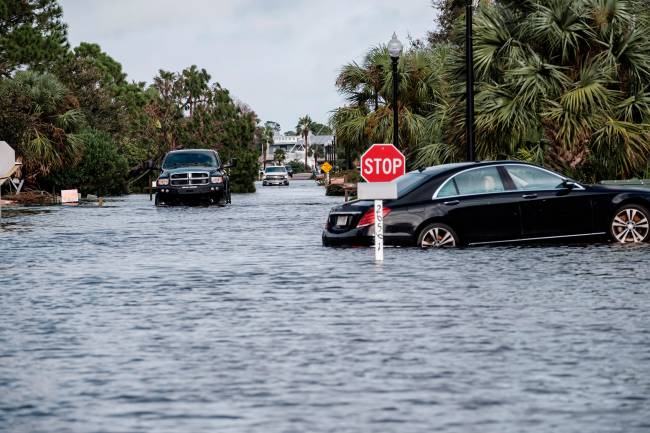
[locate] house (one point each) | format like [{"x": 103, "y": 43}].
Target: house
[{"x": 294, "y": 147}]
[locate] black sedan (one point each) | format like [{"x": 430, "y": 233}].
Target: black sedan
[{"x": 494, "y": 202}]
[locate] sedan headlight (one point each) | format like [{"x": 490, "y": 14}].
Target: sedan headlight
[
  {"x": 163, "y": 182},
  {"x": 216, "y": 179}
]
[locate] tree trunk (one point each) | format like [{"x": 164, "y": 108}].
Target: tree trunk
[{"x": 306, "y": 149}]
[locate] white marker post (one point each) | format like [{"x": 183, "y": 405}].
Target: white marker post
[
  {"x": 378, "y": 191},
  {"x": 379, "y": 230}
]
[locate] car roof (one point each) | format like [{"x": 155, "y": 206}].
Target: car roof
[
  {"x": 436, "y": 170},
  {"x": 191, "y": 150}
]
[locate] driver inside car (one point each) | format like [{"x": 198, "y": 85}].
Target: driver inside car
[{"x": 489, "y": 184}]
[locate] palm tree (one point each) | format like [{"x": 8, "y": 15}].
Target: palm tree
[
  {"x": 51, "y": 122},
  {"x": 303, "y": 129},
  {"x": 368, "y": 116},
  {"x": 560, "y": 82},
  {"x": 267, "y": 139},
  {"x": 279, "y": 156}
]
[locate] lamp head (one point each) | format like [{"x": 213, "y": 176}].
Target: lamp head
[{"x": 395, "y": 47}]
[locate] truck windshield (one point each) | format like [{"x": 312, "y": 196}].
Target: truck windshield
[
  {"x": 276, "y": 170},
  {"x": 182, "y": 159}
]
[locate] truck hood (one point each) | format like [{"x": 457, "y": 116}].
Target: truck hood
[{"x": 190, "y": 169}]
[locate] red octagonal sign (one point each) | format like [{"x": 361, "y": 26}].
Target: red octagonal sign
[{"x": 382, "y": 163}]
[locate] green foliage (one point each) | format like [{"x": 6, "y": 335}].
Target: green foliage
[
  {"x": 561, "y": 82},
  {"x": 31, "y": 34},
  {"x": 303, "y": 128},
  {"x": 243, "y": 175},
  {"x": 279, "y": 155},
  {"x": 42, "y": 120},
  {"x": 298, "y": 167},
  {"x": 320, "y": 129},
  {"x": 448, "y": 13},
  {"x": 101, "y": 171},
  {"x": 368, "y": 117}
]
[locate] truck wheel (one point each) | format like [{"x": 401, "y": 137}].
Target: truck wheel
[{"x": 158, "y": 201}]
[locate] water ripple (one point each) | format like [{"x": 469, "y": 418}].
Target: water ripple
[{"x": 131, "y": 318}]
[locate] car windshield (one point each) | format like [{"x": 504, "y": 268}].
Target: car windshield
[
  {"x": 276, "y": 170},
  {"x": 183, "y": 159}
]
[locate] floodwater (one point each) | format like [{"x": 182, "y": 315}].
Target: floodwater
[{"x": 129, "y": 318}]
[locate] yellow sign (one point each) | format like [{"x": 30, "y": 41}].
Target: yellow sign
[{"x": 326, "y": 167}]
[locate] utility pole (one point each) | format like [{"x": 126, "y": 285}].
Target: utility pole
[{"x": 469, "y": 66}]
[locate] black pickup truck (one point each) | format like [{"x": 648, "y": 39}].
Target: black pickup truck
[{"x": 193, "y": 176}]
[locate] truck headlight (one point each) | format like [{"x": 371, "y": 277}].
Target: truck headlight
[
  {"x": 163, "y": 182},
  {"x": 216, "y": 179}
]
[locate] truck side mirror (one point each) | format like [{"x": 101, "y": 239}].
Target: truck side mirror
[{"x": 232, "y": 163}]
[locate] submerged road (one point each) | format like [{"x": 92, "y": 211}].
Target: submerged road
[{"x": 131, "y": 318}]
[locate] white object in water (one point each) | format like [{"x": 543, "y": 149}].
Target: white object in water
[{"x": 69, "y": 196}]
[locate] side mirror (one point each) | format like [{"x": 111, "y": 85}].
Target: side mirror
[
  {"x": 150, "y": 164},
  {"x": 569, "y": 184},
  {"x": 231, "y": 164}
]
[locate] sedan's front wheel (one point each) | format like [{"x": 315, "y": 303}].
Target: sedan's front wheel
[
  {"x": 631, "y": 224},
  {"x": 438, "y": 235}
]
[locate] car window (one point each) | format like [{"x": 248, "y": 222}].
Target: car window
[
  {"x": 532, "y": 178},
  {"x": 449, "y": 190},
  {"x": 409, "y": 182},
  {"x": 476, "y": 181},
  {"x": 276, "y": 170}
]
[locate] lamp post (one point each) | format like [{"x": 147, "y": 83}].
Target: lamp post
[
  {"x": 469, "y": 67},
  {"x": 395, "y": 51}
]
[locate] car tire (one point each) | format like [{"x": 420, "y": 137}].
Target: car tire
[
  {"x": 630, "y": 224},
  {"x": 438, "y": 235},
  {"x": 158, "y": 201}
]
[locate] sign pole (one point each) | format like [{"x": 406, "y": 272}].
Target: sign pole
[{"x": 379, "y": 230}]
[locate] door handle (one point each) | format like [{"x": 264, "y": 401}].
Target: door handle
[
  {"x": 452, "y": 203},
  {"x": 529, "y": 196}
]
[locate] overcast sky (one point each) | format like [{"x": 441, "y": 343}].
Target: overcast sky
[{"x": 281, "y": 57}]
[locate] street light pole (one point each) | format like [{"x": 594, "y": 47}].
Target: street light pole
[
  {"x": 469, "y": 67},
  {"x": 395, "y": 50}
]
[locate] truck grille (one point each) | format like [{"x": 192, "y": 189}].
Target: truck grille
[{"x": 181, "y": 179}]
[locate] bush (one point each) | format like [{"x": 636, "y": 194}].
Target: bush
[
  {"x": 298, "y": 167},
  {"x": 243, "y": 175},
  {"x": 334, "y": 190},
  {"x": 102, "y": 169}
]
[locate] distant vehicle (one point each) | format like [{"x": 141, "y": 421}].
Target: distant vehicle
[
  {"x": 275, "y": 175},
  {"x": 191, "y": 176},
  {"x": 494, "y": 202},
  {"x": 289, "y": 170}
]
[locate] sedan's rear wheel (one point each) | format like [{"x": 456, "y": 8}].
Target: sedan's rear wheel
[
  {"x": 631, "y": 224},
  {"x": 438, "y": 235}
]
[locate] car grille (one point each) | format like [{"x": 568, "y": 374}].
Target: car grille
[
  {"x": 181, "y": 179},
  {"x": 275, "y": 177}
]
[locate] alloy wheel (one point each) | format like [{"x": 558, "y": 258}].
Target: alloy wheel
[
  {"x": 630, "y": 225},
  {"x": 438, "y": 237}
]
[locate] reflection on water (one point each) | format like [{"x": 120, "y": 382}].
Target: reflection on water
[{"x": 130, "y": 318}]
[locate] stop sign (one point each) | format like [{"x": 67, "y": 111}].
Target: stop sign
[{"x": 382, "y": 163}]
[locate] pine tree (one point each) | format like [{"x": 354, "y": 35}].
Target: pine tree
[{"x": 32, "y": 33}]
